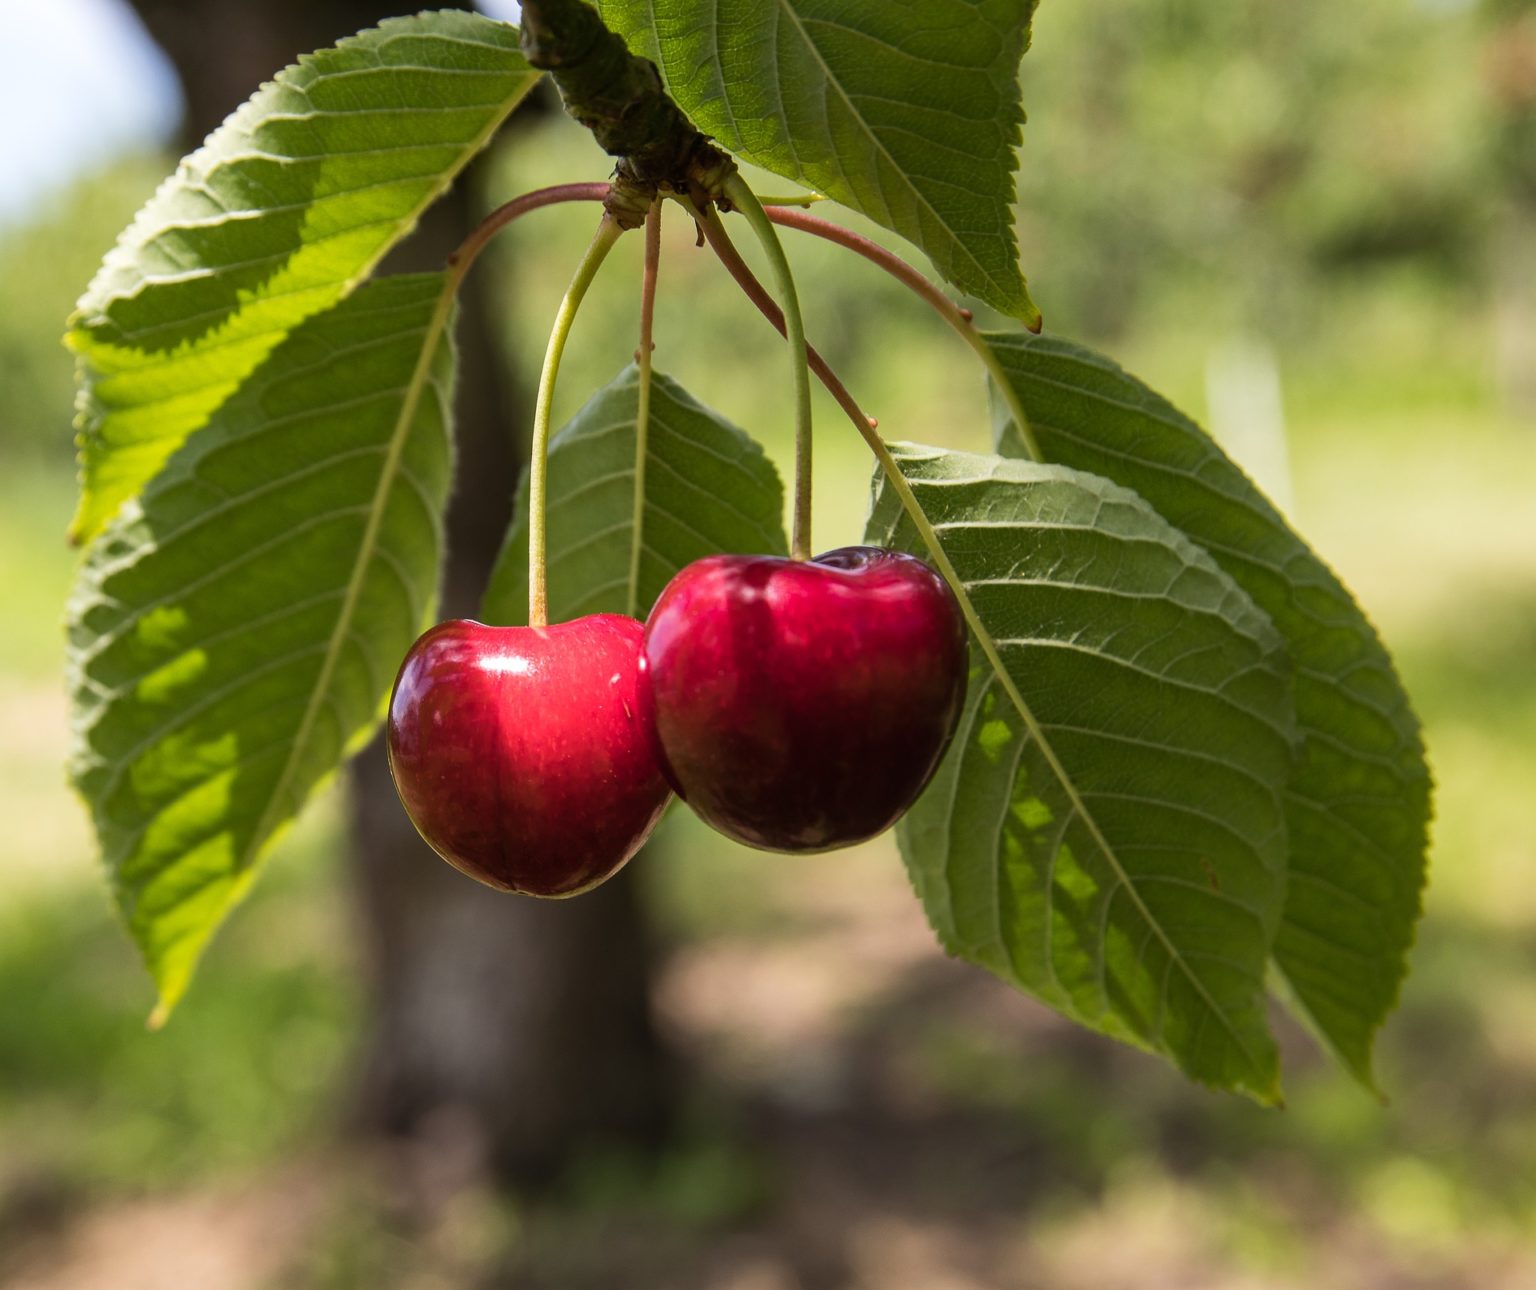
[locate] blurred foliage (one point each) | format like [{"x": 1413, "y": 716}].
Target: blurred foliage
[
  {"x": 44, "y": 267},
  {"x": 1509, "y": 65},
  {"x": 91, "y": 1096},
  {"x": 1248, "y": 151}
]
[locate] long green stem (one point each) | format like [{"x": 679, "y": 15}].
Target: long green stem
[
  {"x": 956, "y": 317},
  {"x": 608, "y": 232},
  {"x": 742, "y": 198},
  {"x": 725, "y": 250},
  {"x": 643, "y": 405},
  {"x": 720, "y": 242}
]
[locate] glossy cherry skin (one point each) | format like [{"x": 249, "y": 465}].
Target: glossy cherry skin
[
  {"x": 803, "y": 705},
  {"x": 519, "y": 754}
]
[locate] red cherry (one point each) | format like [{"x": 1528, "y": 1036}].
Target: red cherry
[
  {"x": 519, "y": 754},
  {"x": 803, "y": 705}
]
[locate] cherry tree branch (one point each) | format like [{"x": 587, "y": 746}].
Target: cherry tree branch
[{"x": 620, "y": 99}]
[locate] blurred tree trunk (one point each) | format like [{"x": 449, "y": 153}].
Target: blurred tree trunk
[{"x": 519, "y": 1027}]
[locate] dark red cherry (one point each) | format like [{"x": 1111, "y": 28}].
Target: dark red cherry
[
  {"x": 803, "y": 705},
  {"x": 519, "y": 752}
]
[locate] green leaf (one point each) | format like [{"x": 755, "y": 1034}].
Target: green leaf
[
  {"x": 286, "y": 208},
  {"x": 907, "y": 113},
  {"x": 234, "y": 631},
  {"x": 1106, "y": 831},
  {"x": 707, "y": 488},
  {"x": 1358, "y": 807}
]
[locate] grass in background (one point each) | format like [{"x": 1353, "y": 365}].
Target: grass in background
[{"x": 246, "y": 1076}]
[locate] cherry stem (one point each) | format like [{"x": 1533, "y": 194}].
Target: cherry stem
[
  {"x": 725, "y": 250},
  {"x": 953, "y": 314},
  {"x": 720, "y": 243},
  {"x": 742, "y": 198},
  {"x": 608, "y": 232},
  {"x": 643, "y": 405},
  {"x": 481, "y": 235}
]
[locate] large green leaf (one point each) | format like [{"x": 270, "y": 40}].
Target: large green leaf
[
  {"x": 907, "y": 113},
  {"x": 1106, "y": 830},
  {"x": 236, "y": 628},
  {"x": 1358, "y": 806},
  {"x": 707, "y": 488},
  {"x": 289, "y": 205}
]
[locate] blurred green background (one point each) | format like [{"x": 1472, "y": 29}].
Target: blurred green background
[{"x": 1315, "y": 228}]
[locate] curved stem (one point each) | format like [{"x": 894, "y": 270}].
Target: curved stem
[
  {"x": 480, "y": 236},
  {"x": 608, "y": 232},
  {"x": 720, "y": 243},
  {"x": 725, "y": 250},
  {"x": 953, "y": 314},
  {"x": 742, "y": 198},
  {"x": 643, "y": 407}
]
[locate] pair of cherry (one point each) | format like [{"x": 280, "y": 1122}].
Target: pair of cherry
[{"x": 794, "y": 705}]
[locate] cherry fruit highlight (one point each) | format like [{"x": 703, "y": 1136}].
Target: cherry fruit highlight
[{"x": 519, "y": 752}]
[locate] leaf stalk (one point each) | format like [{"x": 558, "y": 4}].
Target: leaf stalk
[
  {"x": 725, "y": 250},
  {"x": 643, "y": 404},
  {"x": 608, "y": 232},
  {"x": 720, "y": 242},
  {"x": 953, "y": 314},
  {"x": 480, "y": 236},
  {"x": 742, "y": 198}
]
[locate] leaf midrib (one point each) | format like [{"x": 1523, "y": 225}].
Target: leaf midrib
[
  {"x": 404, "y": 424},
  {"x": 879, "y": 145}
]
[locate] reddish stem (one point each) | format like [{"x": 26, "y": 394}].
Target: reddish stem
[
  {"x": 720, "y": 242},
  {"x": 898, "y": 268},
  {"x": 648, "y": 281},
  {"x": 643, "y": 395},
  {"x": 503, "y": 215},
  {"x": 953, "y": 314}
]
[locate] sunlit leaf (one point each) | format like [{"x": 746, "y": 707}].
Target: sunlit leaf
[
  {"x": 1358, "y": 805},
  {"x": 907, "y": 113},
  {"x": 235, "y": 629},
  {"x": 1106, "y": 831},
  {"x": 287, "y": 207}
]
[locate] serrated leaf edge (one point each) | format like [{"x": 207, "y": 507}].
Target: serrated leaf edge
[{"x": 1267, "y": 1091}]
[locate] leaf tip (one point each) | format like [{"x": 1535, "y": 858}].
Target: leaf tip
[
  {"x": 1268, "y": 1093},
  {"x": 1031, "y": 316},
  {"x": 171, "y": 982},
  {"x": 1024, "y": 308},
  {"x": 1365, "y": 1077},
  {"x": 85, "y": 523}
]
